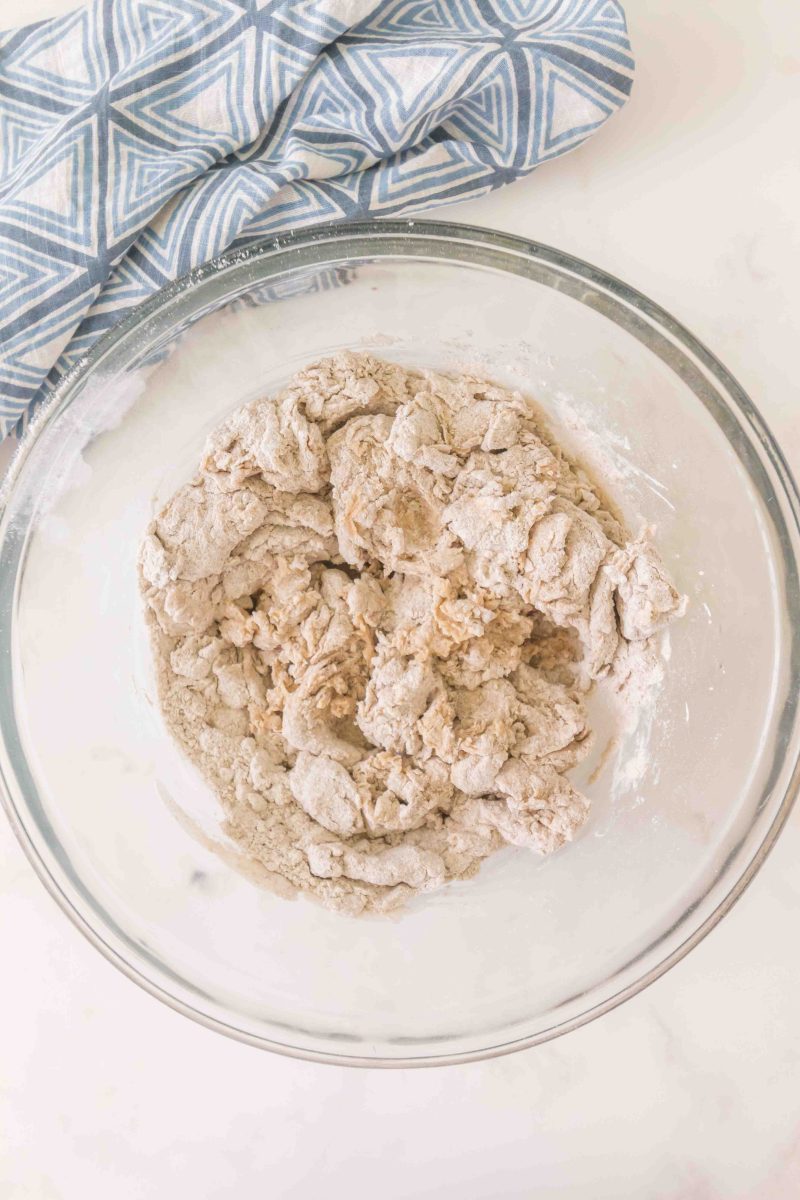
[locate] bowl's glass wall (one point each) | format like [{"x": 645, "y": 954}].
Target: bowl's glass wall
[{"x": 118, "y": 817}]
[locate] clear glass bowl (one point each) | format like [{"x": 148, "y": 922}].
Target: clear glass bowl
[{"x": 114, "y": 819}]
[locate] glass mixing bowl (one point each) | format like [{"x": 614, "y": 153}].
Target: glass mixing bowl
[{"x": 119, "y": 825}]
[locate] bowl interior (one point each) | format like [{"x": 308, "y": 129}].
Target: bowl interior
[{"x": 122, "y": 824}]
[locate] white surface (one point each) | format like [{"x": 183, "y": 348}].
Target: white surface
[{"x": 689, "y": 1092}]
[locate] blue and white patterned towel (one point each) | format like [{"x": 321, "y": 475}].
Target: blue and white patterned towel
[{"x": 139, "y": 138}]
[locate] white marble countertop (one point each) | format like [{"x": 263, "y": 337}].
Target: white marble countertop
[{"x": 691, "y": 1091}]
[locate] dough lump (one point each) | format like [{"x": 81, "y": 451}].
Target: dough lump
[{"x": 375, "y": 613}]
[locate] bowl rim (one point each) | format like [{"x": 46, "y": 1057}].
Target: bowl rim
[{"x": 328, "y": 234}]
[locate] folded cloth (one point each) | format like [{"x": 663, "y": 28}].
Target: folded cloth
[{"x": 139, "y": 138}]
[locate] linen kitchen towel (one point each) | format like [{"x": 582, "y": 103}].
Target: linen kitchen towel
[{"x": 139, "y": 138}]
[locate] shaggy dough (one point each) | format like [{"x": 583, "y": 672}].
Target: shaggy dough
[{"x": 375, "y": 612}]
